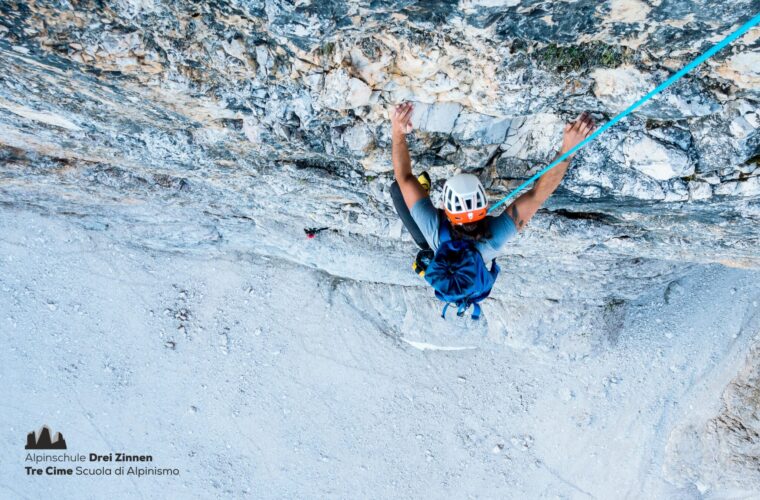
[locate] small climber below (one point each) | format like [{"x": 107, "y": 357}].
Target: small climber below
[{"x": 456, "y": 247}]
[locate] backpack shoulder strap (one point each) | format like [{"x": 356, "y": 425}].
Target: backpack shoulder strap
[
  {"x": 462, "y": 309},
  {"x": 476, "y": 311},
  {"x": 445, "y": 308},
  {"x": 444, "y": 230}
]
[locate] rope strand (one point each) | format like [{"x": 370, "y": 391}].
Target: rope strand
[{"x": 667, "y": 83}]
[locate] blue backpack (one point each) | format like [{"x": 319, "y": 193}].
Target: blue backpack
[{"x": 458, "y": 273}]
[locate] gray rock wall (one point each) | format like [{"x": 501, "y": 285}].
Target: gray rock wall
[
  {"x": 156, "y": 99},
  {"x": 228, "y": 126}
]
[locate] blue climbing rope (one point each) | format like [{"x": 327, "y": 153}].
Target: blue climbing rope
[{"x": 667, "y": 83}]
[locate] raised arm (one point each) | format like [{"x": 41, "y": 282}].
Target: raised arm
[
  {"x": 401, "y": 124},
  {"x": 525, "y": 207}
]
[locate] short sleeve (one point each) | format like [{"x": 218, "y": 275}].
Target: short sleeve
[
  {"x": 426, "y": 217},
  {"x": 502, "y": 229}
]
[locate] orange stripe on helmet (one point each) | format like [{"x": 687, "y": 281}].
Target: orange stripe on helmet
[{"x": 467, "y": 217}]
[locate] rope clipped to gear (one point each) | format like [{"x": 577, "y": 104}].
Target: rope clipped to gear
[{"x": 667, "y": 83}]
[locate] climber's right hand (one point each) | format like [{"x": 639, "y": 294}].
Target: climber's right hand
[
  {"x": 576, "y": 131},
  {"x": 401, "y": 118}
]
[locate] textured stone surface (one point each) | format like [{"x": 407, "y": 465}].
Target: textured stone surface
[
  {"x": 722, "y": 450},
  {"x": 655, "y": 159},
  {"x": 172, "y": 107}
]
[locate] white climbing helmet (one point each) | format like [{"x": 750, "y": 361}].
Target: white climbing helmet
[{"x": 464, "y": 199}]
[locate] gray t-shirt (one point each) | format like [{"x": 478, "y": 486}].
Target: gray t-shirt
[{"x": 502, "y": 229}]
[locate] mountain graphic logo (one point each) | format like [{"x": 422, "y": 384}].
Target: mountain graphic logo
[{"x": 42, "y": 441}]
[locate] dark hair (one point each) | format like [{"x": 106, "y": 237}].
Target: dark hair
[{"x": 475, "y": 231}]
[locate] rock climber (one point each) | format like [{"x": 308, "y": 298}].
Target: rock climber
[{"x": 457, "y": 277}]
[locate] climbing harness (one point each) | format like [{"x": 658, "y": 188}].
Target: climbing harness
[{"x": 667, "y": 83}]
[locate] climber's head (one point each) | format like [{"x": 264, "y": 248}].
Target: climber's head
[{"x": 464, "y": 199}]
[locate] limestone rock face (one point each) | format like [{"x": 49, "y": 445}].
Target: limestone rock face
[
  {"x": 722, "y": 448},
  {"x": 655, "y": 159},
  {"x": 229, "y": 126},
  {"x": 342, "y": 92},
  {"x": 437, "y": 117}
]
